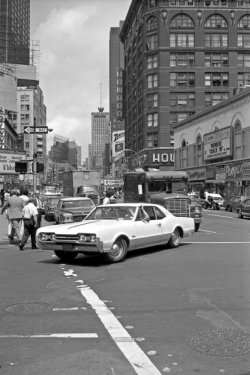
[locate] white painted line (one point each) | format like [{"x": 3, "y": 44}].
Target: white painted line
[
  {"x": 207, "y": 231},
  {"x": 65, "y": 308},
  {"x": 224, "y": 217},
  {"x": 54, "y": 335},
  {"x": 136, "y": 357},
  {"x": 218, "y": 243}
]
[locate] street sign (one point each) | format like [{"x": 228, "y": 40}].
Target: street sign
[{"x": 35, "y": 129}]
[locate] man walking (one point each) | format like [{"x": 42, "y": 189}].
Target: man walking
[
  {"x": 14, "y": 204},
  {"x": 30, "y": 214},
  {"x": 39, "y": 208}
]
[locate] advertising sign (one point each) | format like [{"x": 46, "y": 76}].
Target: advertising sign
[
  {"x": 8, "y": 159},
  {"x": 197, "y": 174},
  {"x": 118, "y": 143},
  {"x": 217, "y": 144}
]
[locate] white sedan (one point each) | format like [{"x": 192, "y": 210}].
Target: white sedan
[{"x": 114, "y": 229}]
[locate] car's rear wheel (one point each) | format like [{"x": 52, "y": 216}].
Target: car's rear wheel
[
  {"x": 175, "y": 239},
  {"x": 65, "y": 255},
  {"x": 240, "y": 216},
  {"x": 196, "y": 226},
  {"x": 117, "y": 252}
]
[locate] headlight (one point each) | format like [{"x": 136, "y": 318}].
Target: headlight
[
  {"x": 196, "y": 209},
  {"x": 91, "y": 238},
  {"x": 47, "y": 236}
]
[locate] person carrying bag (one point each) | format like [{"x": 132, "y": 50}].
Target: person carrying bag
[{"x": 30, "y": 215}]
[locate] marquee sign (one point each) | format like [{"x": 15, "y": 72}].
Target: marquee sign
[
  {"x": 218, "y": 144},
  {"x": 8, "y": 159}
]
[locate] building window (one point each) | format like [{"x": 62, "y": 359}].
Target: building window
[
  {"x": 182, "y": 80},
  {"x": 244, "y": 22},
  {"x": 152, "y": 42},
  {"x": 152, "y": 61},
  {"x": 216, "y": 40},
  {"x": 183, "y": 100},
  {"x": 198, "y": 151},
  {"x": 152, "y": 100},
  {"x": 212, "y": 98},
  {"x": 243, "y": 79},
  {"x": 25, "y": 107},
  {"x": 216, "y": 79},
  {"x": 216, "y": 60},
  {"x": 238, "y": 141},
  {"x": 171, "y": 137},
  {"x": 151, "y": 23},
  {"x": 216, "y": 21},
  {"x": 243, "y": 60},
  {"x": 181, "y": 40},
  {"x": 244, "y": 40},
  {"x": 182, "y": 59},
  {"x": 152, "y": 119},
  {"x": 152, "y": 80},
  {"x": 25, "y": 116},
  {"x": 181, "y": 21},
  {"x": 179, "y": 116},
  {"x": 152, "y": 140}
]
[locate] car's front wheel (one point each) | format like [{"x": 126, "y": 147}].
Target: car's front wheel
[
  {"x": 117, "y": 252},
  {"x": 65, "y": 255},
  {"x": 175, "y": 239}
]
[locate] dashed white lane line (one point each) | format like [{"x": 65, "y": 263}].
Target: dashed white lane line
[
  {"x": 130, "y": 349},
  {"x": 218, "y": 243},
  {"x": 207, "y": 231}
]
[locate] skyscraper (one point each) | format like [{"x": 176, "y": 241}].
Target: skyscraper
[{"x": 14, "y": 31}]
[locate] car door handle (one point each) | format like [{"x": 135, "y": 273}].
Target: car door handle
[{"x": 159, "y": 225}]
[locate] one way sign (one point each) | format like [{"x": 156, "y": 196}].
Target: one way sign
[{"x": 36, "y": 129}]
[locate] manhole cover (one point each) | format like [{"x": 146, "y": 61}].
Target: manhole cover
[
  {"x": 28, "y": 308},
  {"x": 221, "y": 342}
]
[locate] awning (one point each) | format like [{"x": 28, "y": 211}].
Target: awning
[{"x": 218, "y": 182}]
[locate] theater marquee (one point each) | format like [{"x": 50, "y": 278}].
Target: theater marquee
[{"x": 218, "y": 144}]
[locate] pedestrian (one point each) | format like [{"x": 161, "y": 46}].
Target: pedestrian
[
  {"x": 24, "y": 195},
  {"x": 106, "y": 200},
  {"x": 14, "y": 204},
  {"x": 30, "y": 214},
  {"x": 39, "y": 206},
  {"x": 2, "y": 197}
]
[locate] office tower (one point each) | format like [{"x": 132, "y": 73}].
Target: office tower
[
  {"x": 181, "y": 56},
  {"x": 14, "y": 31}
]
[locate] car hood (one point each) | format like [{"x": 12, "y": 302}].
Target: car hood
[{"x": 90, "y": 226}]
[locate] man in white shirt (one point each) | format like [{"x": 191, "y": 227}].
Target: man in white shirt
[{"x": 30, "y": 214}]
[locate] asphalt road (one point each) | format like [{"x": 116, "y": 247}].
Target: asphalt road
[{"x": 178, "y": 311}]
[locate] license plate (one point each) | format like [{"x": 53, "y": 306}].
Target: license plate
[{"x": 68, "y": 247}]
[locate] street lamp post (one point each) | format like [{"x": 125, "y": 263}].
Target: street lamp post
[{"x": 126, "y": 158}]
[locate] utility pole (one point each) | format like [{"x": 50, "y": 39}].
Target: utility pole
[{"x": 34, "y": 160}]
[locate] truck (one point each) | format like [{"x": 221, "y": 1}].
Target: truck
[
  {"x": 82, "y": 184},
  {"x": 167, "y": 188}
]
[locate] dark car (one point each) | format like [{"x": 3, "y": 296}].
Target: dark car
[
  {"x": 49, "y": 207},
  {"x": 240, "y": 205},
  {"x": 72, "y": 209}
]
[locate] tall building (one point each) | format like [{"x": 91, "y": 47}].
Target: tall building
[
  {"x": 181, "y": 56},
  {"x": 14, "y": 31},
  {"x": 100, "y": 138},
  {"x": 116, "y": 67}
]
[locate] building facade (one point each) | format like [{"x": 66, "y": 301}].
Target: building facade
[
  {"x": 15, "y": 31},
  {"x": 100, "y": 139},
  {"x": 181, "y": 57},
  {"x": 214, "y": 147}
]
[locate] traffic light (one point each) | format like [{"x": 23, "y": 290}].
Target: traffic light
[
  {"x": 39, "y": 167},
  {"x": 21, "y": 166}
]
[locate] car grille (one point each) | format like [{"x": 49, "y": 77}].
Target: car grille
[
  {"x": 178, "y": 207},
  {"x": 67, "y": 237}
]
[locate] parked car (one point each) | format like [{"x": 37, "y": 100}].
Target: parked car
[
  {"x": 181, "y": 205},
  {"x": 72, "y": 209},
  {"x": 239, "y": 204},
  {"x": 114, "y": 229},
  {"x": 49, "y": 207}
]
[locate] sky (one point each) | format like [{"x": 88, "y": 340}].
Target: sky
[{"x": 74, "y": 61}]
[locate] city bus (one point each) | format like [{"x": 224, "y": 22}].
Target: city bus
[{"x": 144, "y": 185}]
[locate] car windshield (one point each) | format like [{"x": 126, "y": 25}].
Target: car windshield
[
  {"x": 52, "y": 202},
  {"x": 77, "y": 204},
  {"x": 112, "y": 213}
]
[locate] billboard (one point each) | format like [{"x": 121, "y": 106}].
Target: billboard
[
  {"x": 217, "y": 144},
  {"x": 8, "y": 159},
  {"x": 118, "y": 143}
]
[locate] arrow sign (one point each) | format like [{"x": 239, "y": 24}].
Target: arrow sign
[{"x": 35, "y": 129}]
